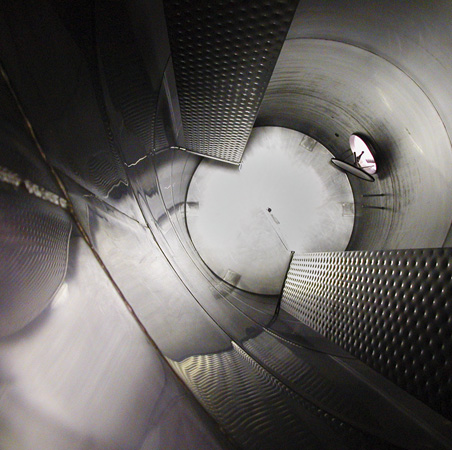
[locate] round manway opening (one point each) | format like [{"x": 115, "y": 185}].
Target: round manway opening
[{"x": 364, "y": 154}]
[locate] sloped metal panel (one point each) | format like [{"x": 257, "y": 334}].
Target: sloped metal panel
[
  {"x": 390, "y": 309},
  {"x": 227, "y": 383},
  {"x": 224, "y": 53},
  {"x": 347, "y": 413}
]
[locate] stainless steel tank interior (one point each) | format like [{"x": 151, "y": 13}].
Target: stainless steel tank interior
[{"x": 114, "y": 332}]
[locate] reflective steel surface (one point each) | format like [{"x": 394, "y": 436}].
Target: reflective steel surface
[
  {"x": 124, "y": 338},
  {"x": 392, "y": 288},
  {"x": 285, "y": 197},
  {"x": 221, "y": 77},
  {"x": 346, "y": 88},
  {"x": 83, "y": 375}
]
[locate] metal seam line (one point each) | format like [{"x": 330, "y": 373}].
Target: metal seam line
[
  {"x": 86, "y": 238},
  {"x": 278, "y": 305},
  {"x": 70, "y": 206},
  {"x": 174, "y": 147}
]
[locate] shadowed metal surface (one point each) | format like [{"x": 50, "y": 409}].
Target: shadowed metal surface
[
  {"x": 232, "y": 381},
  {"x": 391, "y": 309},
  {"x": 34, "y": 240},
  {"x": 117, "y": 236},
  {"x": 84, "y": 376},
  {"x": 366, "y": 413},
  {"x": 229, "y": 383},
  {"x": 34, "y": 230}
]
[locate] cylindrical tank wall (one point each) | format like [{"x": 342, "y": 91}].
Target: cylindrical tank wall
[
  {"x": 382, "y": 69},
  {"x": 378, "y": 67}
]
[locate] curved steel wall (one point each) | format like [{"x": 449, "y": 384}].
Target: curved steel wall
[
  {"x": 138, "y": 311},
  {"x": 383, "y": 70}
]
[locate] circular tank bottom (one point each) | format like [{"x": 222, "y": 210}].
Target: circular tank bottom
[{"x": 285, "y": 196}]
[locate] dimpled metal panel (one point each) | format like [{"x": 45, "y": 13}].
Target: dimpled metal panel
[
  {"x": 226, "y": 383},
  {"x": 34, "y": 236},
  {"x": 130, "y": 90},
  {"x": 224, "y": 53},
  {"x": 390, "y": 309},
  {"x": 133, "y": 91},
  {"x": 318, "y": 390}
]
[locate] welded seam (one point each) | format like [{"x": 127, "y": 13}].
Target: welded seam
[
  {"x": 127, "y": 304},
  {"x": 306, "y": 347},
  {"x": 170, "y": 265},
  {"x": 234, "y": 344},
  {"x": 278, "y": 305},
  {"x": 204, "y": 155},
  {"x": 71, "y": 211},
  {"x": 137, "y": 161}
]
